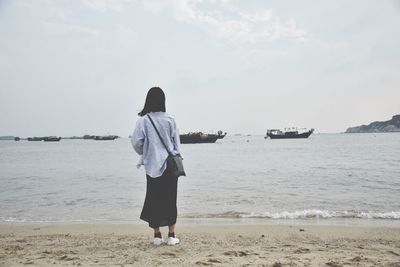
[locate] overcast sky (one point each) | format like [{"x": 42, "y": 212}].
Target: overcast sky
[{"x": 70, "y": 67}]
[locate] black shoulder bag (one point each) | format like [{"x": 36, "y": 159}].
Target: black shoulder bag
[{"x": 174, "y": 162}]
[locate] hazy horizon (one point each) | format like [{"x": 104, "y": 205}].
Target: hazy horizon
[{"x": 84, "y": 67}]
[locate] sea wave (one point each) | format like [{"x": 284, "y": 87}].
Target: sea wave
[
  {"x": 284, "y": 215},
  {"x": 303, "y": 214},
  {"x": 29, "y": 220}
]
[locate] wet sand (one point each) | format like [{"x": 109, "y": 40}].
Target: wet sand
[{"x": 201, "y": 245}]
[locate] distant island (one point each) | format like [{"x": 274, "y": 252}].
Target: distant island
[
  {"x": 392, "y": 125},
  {"x": 7, "y": 137},
  {"x": 58, "y": 138}
]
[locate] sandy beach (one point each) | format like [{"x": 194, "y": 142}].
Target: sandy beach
[{"x": 204, "y": 245}]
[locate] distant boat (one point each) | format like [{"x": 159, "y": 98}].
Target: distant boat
[
  {"x": 219, "y": 134},
  {"x": 200, "y": 138},
  {"x": 288, "y": 133},
  {"x": 51, "y": 139},
  {"x": 17, "y": 138},
  {"x": 35, "y": 138},
  {"x": 73, "y": 137},
  {"x": 105, "y": 137}
]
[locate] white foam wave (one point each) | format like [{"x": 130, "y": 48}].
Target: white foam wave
[
  {"x": 304, "y": 214},
  {"x": 25, "y": 220},
  {"x": 11, "y": 219},
  {"x": 380, "y": 215},
  {"x": 301, "y": 214},
  {"x": 290, "y": 215},
  {"x": 325, "y": 214}
]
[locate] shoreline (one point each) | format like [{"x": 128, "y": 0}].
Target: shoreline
[
  {"x": 201, "y": 245},
  {"x": 350, "y": 222}
]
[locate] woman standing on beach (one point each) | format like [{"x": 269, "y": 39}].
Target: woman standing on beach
[{"x": 159, "y": 207}]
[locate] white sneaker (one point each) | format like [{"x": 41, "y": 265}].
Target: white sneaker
[
  {"x": 158, "y": 241},
  {"x": 172, "y": 241}
]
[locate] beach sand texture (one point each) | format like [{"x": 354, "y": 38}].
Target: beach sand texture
[{"x": 204, "y": 245}]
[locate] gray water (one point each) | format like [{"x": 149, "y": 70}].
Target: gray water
[{"x": 326, "y": 177}]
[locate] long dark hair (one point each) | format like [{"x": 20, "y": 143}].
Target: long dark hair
[{"x": 155, "y": 101}]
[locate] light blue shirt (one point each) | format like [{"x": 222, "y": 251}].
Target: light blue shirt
[{"x": 148, "y": 145}]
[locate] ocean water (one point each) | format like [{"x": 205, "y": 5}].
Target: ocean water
[{"x": 324, "y": 178}]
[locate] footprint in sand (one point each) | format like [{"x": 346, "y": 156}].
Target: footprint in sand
[
  {"x": 239, "y": 253},
  {"x": 394, "y": 253},
  {"x": 333, "y": 264},
  {"x": 209, "y": 262},
  {"x": 302, "y": 250},
  {"x": 168, "y": 254},
  {"x": 67, "y": 258},
  {"x": 214, "y": 260},
  {"x": 204, "y": 263},
  {"x": 356, "y": 259}
]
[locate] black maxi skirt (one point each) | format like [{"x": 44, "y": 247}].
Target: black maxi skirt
[{"x": 159, "y": 207}]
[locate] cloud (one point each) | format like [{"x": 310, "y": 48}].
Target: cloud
[
  {"x": 67, "y": 28},
  {"x": 106, "y": 5},
  {"x": 225, "y": 21},
  {"x": 155, "y": 7}
]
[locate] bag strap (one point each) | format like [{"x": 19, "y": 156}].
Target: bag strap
[{"x": 158, "y": 133}]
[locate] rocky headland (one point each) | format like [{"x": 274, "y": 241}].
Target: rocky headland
[{"x": 392, "y": 125}]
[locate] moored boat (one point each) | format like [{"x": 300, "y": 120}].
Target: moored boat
[
  {"x": 51, "y": 139},
  {"x": 219, "y": 134},
  {"x": 35, "y": 138},
  {"x": 200, "y": 138},
  {"x": 105, "y": 137},
  {"x": 288, "y": 133}
]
